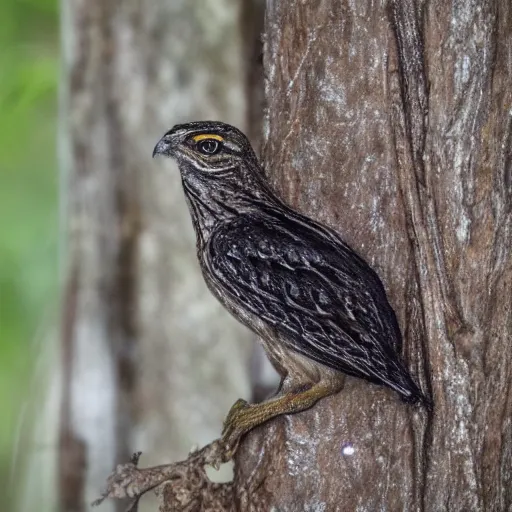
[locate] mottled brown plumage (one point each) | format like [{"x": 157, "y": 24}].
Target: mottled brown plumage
[{"x": 320, "y": 310}]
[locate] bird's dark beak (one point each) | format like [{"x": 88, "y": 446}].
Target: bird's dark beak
[{"x": 164, "y": 147}]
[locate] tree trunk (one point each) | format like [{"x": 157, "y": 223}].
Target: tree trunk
[
  {"x": 392, "y": 123},
  {"x": 145, "y": 346}
]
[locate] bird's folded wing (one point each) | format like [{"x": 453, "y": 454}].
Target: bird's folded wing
[{"x": 326, "y": 304}]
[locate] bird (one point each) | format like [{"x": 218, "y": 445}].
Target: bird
[{"x": 319, "y": 309}]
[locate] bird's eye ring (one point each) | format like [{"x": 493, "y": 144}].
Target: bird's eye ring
[{"x": 208, "y": 146}]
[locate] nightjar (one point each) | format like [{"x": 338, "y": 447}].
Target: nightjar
[{"x": 319, "y": 308}]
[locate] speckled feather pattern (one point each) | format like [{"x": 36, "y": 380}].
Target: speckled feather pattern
[{"x": 269, "y": 264}]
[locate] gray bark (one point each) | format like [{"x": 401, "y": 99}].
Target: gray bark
[
  {"x": 392, "y": 124},
  {"x": 150, "y": 360}
]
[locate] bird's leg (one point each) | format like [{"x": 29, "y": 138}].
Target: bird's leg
[{"x": 243, "y": 416}]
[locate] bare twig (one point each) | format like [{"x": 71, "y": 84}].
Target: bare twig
[{"x": 189, "y": 487}]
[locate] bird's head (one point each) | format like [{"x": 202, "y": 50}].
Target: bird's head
[{"x": 206, "y": 146}]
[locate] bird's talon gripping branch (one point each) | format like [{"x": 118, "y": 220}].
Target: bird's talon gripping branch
[
  {"x": 238, "y": 421},
  {"x": 233, "y": 413},
  {"x": 239, "y": 404}
]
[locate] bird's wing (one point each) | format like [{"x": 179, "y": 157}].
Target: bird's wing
[{"x": 325, "y": 300}]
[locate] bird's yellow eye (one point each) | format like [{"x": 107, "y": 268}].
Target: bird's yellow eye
[
  {"x": 203, "y": 136},
  {"x": 209, "y": 146}
]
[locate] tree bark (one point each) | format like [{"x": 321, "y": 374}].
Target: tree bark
[
  {"x": 150, "y": 360},
  {"x": 392, "y": 123}
]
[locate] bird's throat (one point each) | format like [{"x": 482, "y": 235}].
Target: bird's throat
[{"x": 215, "y": 198}]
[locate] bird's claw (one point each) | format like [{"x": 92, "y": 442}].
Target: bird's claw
[
  {"x": 238, "y": 406},
  {"x": 234, "y": 428}
]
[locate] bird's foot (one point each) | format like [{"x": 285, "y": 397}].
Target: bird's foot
[
  {"x": 238, "y": 422},
  {"x": 231, "y": 419}
]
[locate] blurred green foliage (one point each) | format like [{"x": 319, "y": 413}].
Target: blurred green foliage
[{"x": 29, "y": 64}]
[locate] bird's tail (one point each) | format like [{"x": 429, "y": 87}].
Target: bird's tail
[
  {"x": 407, "y": 388},
  {"x": 418, "y": 398}
]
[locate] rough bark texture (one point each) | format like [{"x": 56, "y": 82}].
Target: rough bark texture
[
  {"x": 392, "y": 123},
  {"x": 150, "y": 360}
]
